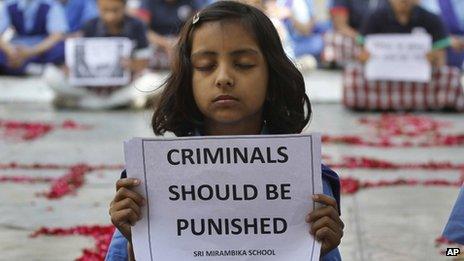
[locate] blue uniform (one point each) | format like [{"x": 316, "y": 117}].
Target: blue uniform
[
  {"x": 78, "y": 12},
  {"x": 304, "y": 44},
  {"x": 383, "y": 21},
  {"x": 167, "y": 18},
  {"x": 117, "y": 250},
  {"x": 33, "y": 21},
  {"x": 132, "y": 28},
  {"x": 454, "y": 230},
  {"x": 452, "y": 14},
  {"x": 357, "y": 10}
]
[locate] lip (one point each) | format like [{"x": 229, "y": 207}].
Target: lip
[{"x": 224, "y": 97}]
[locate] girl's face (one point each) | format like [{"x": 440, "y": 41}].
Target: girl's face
[{"x": 230, "y": 75}]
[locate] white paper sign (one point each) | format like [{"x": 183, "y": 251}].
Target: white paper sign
[
  {"x": 398, "y": 57},
  {"x": 234, "y": 198},
  {"x": 97, "y": 61}
]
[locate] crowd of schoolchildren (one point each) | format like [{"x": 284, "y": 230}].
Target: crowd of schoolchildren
[{"x": 314, "y": 33}]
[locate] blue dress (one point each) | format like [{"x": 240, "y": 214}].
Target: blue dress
[
  {"x": 454, "y": 230},
  {"x": 452, "y": 14},
  {"x": 33, "y": 21}
]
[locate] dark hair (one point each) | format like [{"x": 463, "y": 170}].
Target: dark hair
[{"x": 287, "y": 108}]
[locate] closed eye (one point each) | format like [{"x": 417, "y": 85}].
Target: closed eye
[
  {"x": 244, "y": 66},
  {"x": 204, "y": 68}
]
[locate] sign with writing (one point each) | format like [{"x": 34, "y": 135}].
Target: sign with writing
[
  {"x": 240, "y": 197},
  {"x": 398, "y": 57},
  {"x": 98, "y": 61}
]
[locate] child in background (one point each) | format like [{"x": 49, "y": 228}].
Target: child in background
[
  {"x": 40, "y": 27},
  {"x": 452, "y": 14},
  {"x": 165, "y": 18},
  {"x": 112, "y": 22},
  {"x": 79, "y": 12},
  {"x": 348, "y": 16},
  {"x": 278, "y": 24},
  {"x": 406, "y": 17},
  {"x": 231, "y": 76},
  {"x": 298, "y": 16},
  {"x": 340, "y": 48}
]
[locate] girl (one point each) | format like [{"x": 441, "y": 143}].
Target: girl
[
  {"x": 407, "y": 17},
  {"x": 231, "y": 76}
]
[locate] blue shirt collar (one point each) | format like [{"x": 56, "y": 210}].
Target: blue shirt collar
[{"x": 27, "y": 4}]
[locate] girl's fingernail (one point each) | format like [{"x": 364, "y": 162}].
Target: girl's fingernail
[
  {"x": 315, "y": 197},
  {"x": 136, "y": 182}
]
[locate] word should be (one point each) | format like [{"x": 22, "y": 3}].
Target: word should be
[{"x": 228, "y": 192}]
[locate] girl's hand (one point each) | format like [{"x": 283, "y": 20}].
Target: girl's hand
[
  {"x": 326, "y": 225},
  {"x": 437, "y": 58},
  {"x": 125, "y": 209},
  {"x": 364, "y": 56},
  {"x": 457, "y": 43}
]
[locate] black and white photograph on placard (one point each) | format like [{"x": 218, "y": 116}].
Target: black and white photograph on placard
[{"x": 98, "y": 61}]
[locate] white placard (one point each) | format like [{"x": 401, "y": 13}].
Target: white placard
[
  {"x": 248, "y": 223},
  {"x": 398, "y": 57},
  {"x": 97, "y": 61}
]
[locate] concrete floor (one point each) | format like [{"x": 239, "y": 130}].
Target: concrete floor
[{"x": 398, "y": 223}]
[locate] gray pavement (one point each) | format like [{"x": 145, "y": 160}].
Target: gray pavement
[{"x": 396, "y": 223}]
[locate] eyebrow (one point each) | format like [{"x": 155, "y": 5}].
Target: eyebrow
[{"x": 246, "y": 51}]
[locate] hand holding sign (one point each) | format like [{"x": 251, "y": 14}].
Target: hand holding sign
[
  {"x": 125, "y": 207},
  {"x": 326, "y": 225}
]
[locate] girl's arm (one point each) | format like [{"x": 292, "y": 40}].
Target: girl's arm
[
  {"x": 136, "y": 66},
  {"x": 301, "y": 16},
  {"x": 304, "y": 28},
  {"x": 7, "y": 48},
  {"x": 437, "y": 57},
  {"x": 340, "y": 21},
  {"x": 457, "y": 43},
  {"x": 160, "y": 40},
  {"x": 43, "y": 46}
]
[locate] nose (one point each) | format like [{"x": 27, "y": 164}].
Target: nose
[{"x": 224, "y": 78}]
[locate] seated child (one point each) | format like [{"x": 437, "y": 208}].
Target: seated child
[
  {"x": 165, "y": 18},
  {"x": 406, "y": 16},
  {"x": 349, "y": 15},
  {"x": 39, "y": 27},
  {"x": 79, "y": 12},
  {"x": 112, "y": 22},
  {"x": 231, "y": 49},
  {"x": 299, "y": 21},
  {"x": 452, "y": 14},
  {"x": 442, "y": 92}
]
